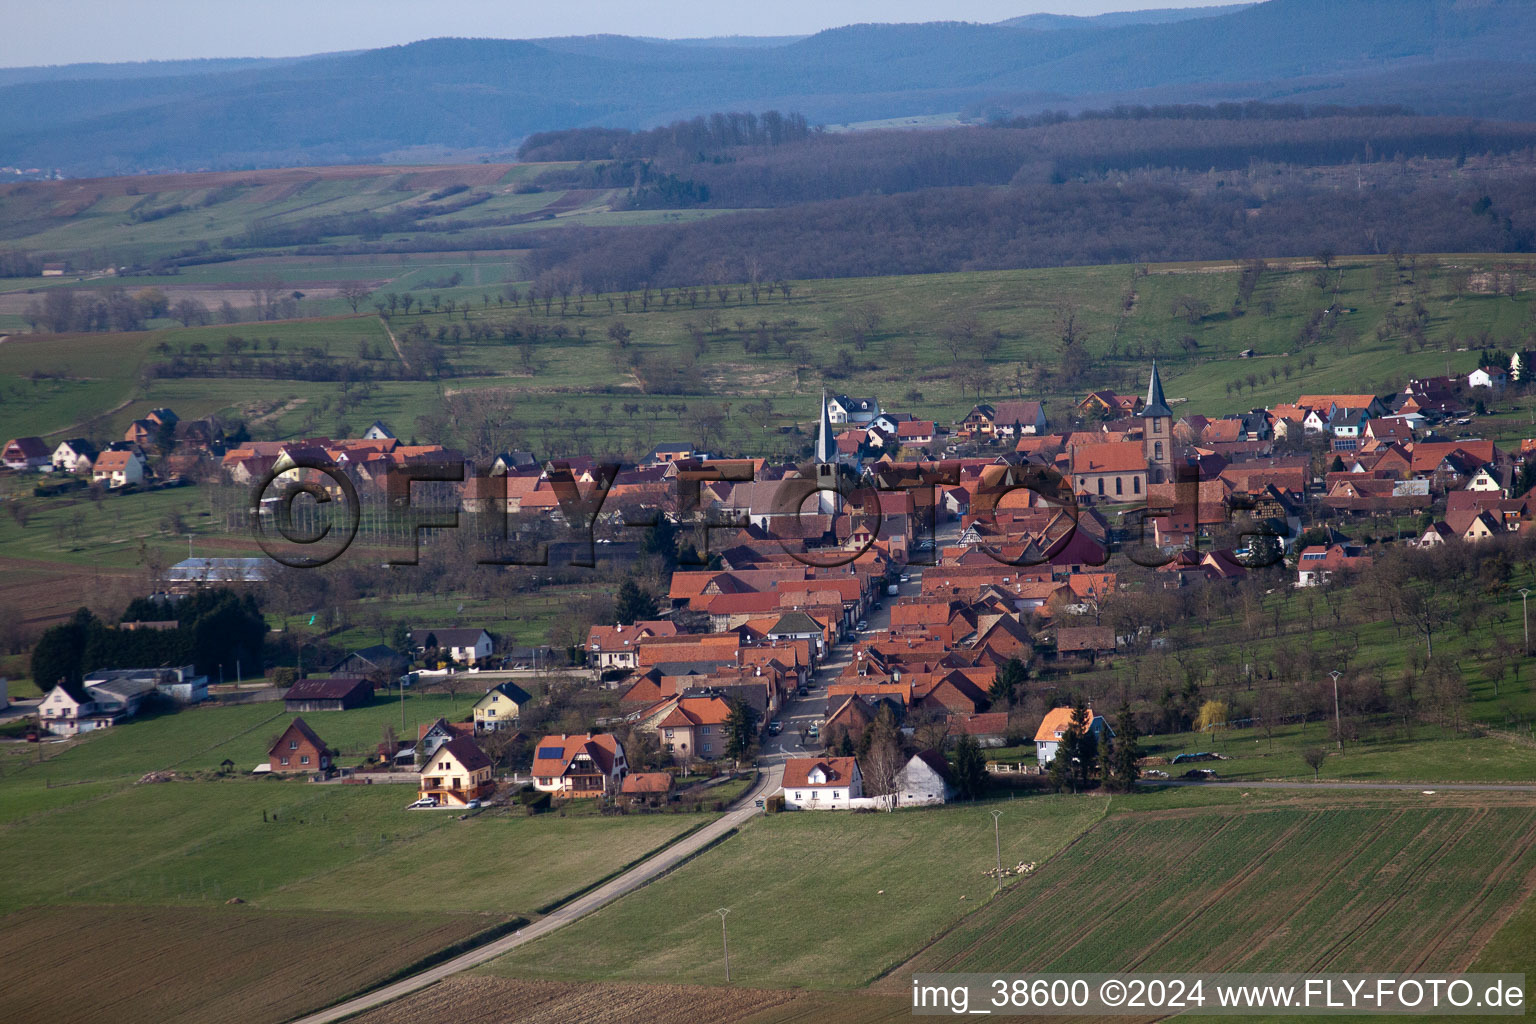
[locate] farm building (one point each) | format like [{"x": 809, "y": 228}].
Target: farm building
[
  {"x": 190, "y": 573},
  {"x": 646, "y": 787},
  {"x": 926, "y": 779},
  {"x": 298, "y": 749},
  {"x": 377, "y": 661},
  {"x": 334, "y": 694}
]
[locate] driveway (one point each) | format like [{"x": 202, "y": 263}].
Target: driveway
[{"x": 646, "y": 871}]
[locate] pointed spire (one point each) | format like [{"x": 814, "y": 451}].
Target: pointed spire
[
  {"x": 826, "y": 445},
  {"x": 1156, "y": 405}
]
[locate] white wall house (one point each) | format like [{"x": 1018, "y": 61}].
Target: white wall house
[
  {"x": 1491, "y": 377},
  {"x": 822, "y": 784},
  {"x": 1054, "y": 727},
  {"x": 467, "y": 645}
]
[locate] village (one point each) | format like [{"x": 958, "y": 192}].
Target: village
[{"x": 866, "y": 626}]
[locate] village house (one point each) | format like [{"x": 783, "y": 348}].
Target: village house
[
  {"x": 579, "y": 765},
  {"x": 433, "y": 734},
  {"x": 859, "y": 412},
  {"x": 1054, "y": 726},
  {"x": 1491, "y": 377},
  {"x": 298, "y": 749},
  {"x": 822, "y": 783},
  {"x": 457, "y": 774},
  {"x": 464, "y": 645},
  {"x": 500, "y": 707},
  {"x": 76, "y": 455},
  {"x": 118, "y": 468},
  {"x": 689, "y": 726},
  {"x": 1317, "y": 564},
  {"x": 617, "y": 646},
  {"x": 25, "y": 453},
  {"x": 1109, "y": 404}
]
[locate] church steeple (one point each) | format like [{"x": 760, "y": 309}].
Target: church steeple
[
  {"x": 826, "y": 444},
  {"x": 1156, "y": 405},
  {"x": 1157, "y": 431}
]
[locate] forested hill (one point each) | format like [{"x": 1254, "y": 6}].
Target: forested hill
[{"x": 462, "y": 97}]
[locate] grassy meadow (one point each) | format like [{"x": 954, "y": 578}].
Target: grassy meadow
[
  {"x": 568, "y": 389},
  {"x": 902, "y": 877}
]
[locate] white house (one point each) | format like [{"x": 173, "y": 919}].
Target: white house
[
  {"x": 1484, "y": 480},
  {"x": 76, "y": 455},
  {"x": 378, "y": 432},
  {"x": 926, "y": 779},
  {"x": 71, "y": 710},
  {"x": 857, "y": 411},
  {"x": 1491, "y": 377},
  {"x": 822, "y": 783},
  {"x": 1315, "y": 422},
  {"x": 119, "y": 468},
  {"x": 1054, "y": 727},
  {"x": 466, "y": 645}
]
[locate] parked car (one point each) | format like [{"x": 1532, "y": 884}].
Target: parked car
[
  {"x": 775, "y": 727},
  {"x": 802, "y": 691},
  {"x": 862, "y": 625},
  {"x": 425, "y": 801}
]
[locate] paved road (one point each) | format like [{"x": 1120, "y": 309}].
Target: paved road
[
  {"x": 634, "y": 878},
  {"x": 800, "y": 712},
  {"x": 1413, "y": 786}
]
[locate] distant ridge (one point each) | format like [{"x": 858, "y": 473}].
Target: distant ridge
[
  {"x": 472, "y": 98},
  {"x": 1117, "y": 19}
]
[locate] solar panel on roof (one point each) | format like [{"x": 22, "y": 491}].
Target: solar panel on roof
[{"x": 551, "y": 751}]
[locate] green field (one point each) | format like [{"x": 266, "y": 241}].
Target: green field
[
  {"x": 1382, "y": 886},
  {"x": 1122, "y": 318},
  {"x": 805, "y": 899}
]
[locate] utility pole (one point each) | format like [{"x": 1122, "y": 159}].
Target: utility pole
[
  {"x": 725, "y": 941},
  {"x": 997, "y": 839},
  {"x": 1338, "y": 728}
]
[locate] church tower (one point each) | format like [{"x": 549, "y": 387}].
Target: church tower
[
  {"x": 826, "y": 462},
  {"x": 1157, "y": 431}
]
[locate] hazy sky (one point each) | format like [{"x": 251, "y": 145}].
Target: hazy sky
[{"x": 68, "y": 31}]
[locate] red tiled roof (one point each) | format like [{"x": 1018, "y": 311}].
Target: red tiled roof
[{"x": 797, "y": 770}]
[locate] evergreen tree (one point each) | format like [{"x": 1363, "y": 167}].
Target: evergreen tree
[
  {"x": 1121, "y": 767},
  {"x": 634, "y": 603},
  {"x": 970, "y": 768},
  {"x": 59, "y": 651},
  {"x": 1085, "y": 749},
  {"x": 1005, "y": 686},
  {"x": 740, "y": 730}
]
